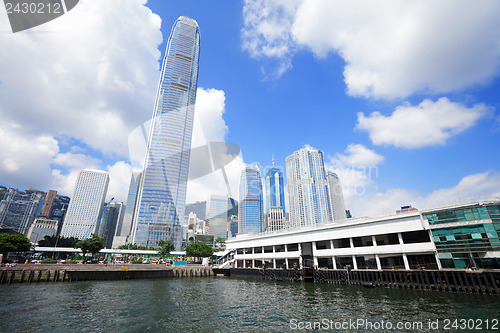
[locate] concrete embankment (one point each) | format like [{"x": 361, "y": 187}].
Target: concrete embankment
[
  {"x": 460, "y": 281},
  {"x": 68, "y": 273}
]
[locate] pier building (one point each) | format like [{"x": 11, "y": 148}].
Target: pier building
[{"x": 461, "y": 236}]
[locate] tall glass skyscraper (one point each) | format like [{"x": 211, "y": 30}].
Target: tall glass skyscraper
[
  {"x": 161, "y": 194},
  {"x": 217, "y": 217},
  {"x": 250, "y": 209},
  {"x": 307, "y": 188},
  {"x": 275, "y": 200},
  {"x": 275, "y": 195}
]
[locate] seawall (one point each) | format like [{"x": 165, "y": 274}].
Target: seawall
[
  {"x": 459, "y": 281},
  {"x": 69, "y": 273}
]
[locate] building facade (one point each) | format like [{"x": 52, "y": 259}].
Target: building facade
[
  {"x": 467, "y": 236},
  {"x": 110, "y": 218},
  {"x": 125, "y": 224},
  {"x": 159, "y": 212},
  {"x": 463, "y": 236},
  {"x": 336, "y": 196},
  {"x": 18, "y": 209},
  {"x": 250, "y": 208},
  {"x": 217, "y": 215},
  {"x": 86, "y": 204},
  {"x": 42, "y": 227},
  {"x": 307, "y": 188}
]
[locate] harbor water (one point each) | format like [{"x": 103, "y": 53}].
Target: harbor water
[{"x": 222, "y": 304}]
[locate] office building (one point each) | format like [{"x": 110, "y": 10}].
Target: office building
[
  {"x": 124, "y": 225},
  {"x": 336, "y": 196},
  {"x": 86, "y": 204},
  {"x": 217, "y": 208},
  {"x": 250, "y": 208},
  {"x": 48, "y": 204},
  {"x": 275, "y": 199},
  {"x": 18, "y": 209},
  {"x": 110, "y": 218},
  {"x": 307, "y": 188},
  {"x": 40, "y": 228},
  {"x": 275, "y": 189},
  {"x": 161, "y": 197}
]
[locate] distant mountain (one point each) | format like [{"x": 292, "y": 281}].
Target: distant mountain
[{"x": 199, "y": 208}]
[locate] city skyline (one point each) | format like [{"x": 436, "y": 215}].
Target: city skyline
[{"x": 393, "y": 113}]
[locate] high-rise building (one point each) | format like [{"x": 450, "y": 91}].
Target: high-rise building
[
  {"x": 48, "y": 204},
  {"x": 109, "y": 221},
  {"x": 18, "y": 209},
  {"x": 275, "y": 190},
  {"x": 307, "y": 188},
  {"x": 123, "y": 227},
  {"x": 336, "y": 196},
  {"x": 275, "y": 199},
  {"x": 161, "y": 197},
  {"x": 86, "y": 204},
  {"x": 250, "y": 208},
  {"x": 42, "y": 227},
  {"x": 233, "y": 226},
  {"x": 217, "y": 208}
]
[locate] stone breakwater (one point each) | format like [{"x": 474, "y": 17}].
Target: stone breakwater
[{"x": 68, "y": 273}]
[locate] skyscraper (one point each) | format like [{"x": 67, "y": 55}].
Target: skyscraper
[
  {"x": 307, "y": 188},
  {"x": 275, "y": 190},
  {"x": 18, "y": 209},
  {"x": 48, "y": 204},
  {"x": 217, "y": 207},
  {"x": 275, "y": 200},
  {"x": 161, "y": 196},
  {"x": 86, "y": 204},
  {"x": 250, "y": 209},
  {"x": 123, "y": 227},
  {"x": 108, "y": 222},
  {"x": 336, "y": 196}
]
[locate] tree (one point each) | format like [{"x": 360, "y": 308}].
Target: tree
[
  {"x": 61, "y": 241},
  {"x": 14, "y": 243},
  {"x": 197, "y": 249},
  {"x": 166, "y": 246},
  {"x": 93, "y": 245},
  {"x": 220, "y": 240}
]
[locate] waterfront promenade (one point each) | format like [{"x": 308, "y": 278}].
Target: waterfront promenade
[{"x": 29, "y": 273}]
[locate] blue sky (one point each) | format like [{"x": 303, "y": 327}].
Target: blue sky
[{"x": 276, "y": 75}]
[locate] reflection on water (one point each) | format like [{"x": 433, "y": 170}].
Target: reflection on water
[{"x": 223, "y": 305}]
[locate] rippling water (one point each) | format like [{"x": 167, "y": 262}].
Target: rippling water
[{"x": 226, "y": 305}]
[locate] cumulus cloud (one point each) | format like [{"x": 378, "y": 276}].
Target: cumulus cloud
[
  {"x": 209, "y": 126},
  {"x": 391, "y": 49},
  {"x": 60, "y": 79},
  {"x": 357, "y": 170},
  {"x": 427, "y": 124},
  {"x": 357, "y": 155},
  {"x": 471, "y": 187}
]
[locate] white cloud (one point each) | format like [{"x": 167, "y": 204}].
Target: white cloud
[
  {"x": 209, "y": 126},
  {"x": 392, "y": 49},
  {"x": 90, "y": 74},
  {"x": 25, "y": 160},
  {"x": 359, "y": 156},
  {"x": 471, "y": 187},
  {"x": 119, "y": 181},
  {"x": 428, "y": 124},
  {"x": 357, "y": 170}
]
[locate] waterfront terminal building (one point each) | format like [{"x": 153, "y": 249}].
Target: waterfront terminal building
[{"x": 460, "y": 236}]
